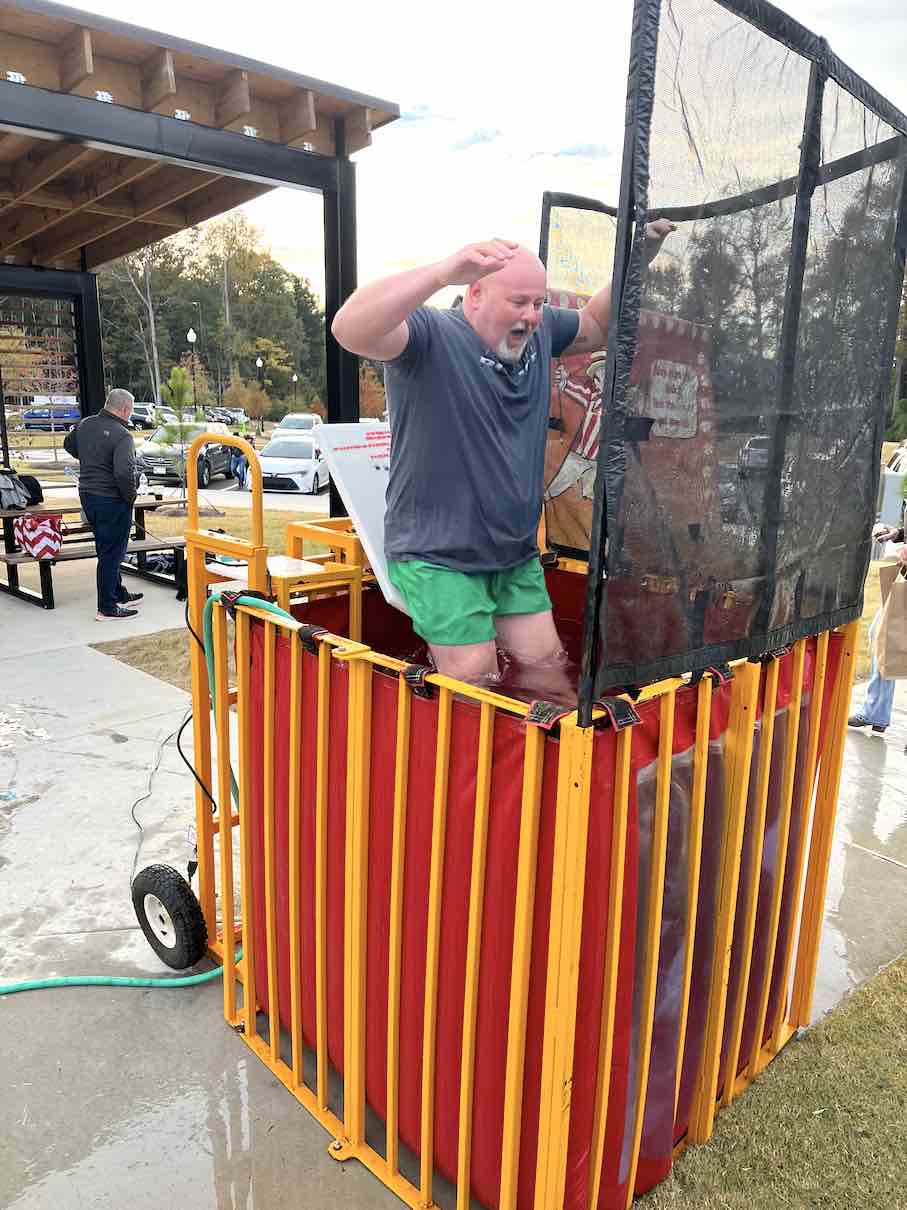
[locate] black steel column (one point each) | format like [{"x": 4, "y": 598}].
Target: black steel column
[
  {"x": 810, "y": 161},
  {"x": 622, "y": 333},
  {"x": 342, "y": 368},
  {"x": 89, "y": 351}
]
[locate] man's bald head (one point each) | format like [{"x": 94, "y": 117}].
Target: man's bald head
[{"x": 505, "y": 307}]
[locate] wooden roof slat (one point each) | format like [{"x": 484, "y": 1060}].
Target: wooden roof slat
[
  {"x": 81, "y": 233},
  {"x": 31, "y": 173},
  {"x": 109, "y": 179},
  {"x": 230, "y": 193}
]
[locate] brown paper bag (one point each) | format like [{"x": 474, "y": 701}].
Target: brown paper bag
[{"x": 891, "y": 639}]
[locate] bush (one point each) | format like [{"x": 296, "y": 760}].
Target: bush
[{"x": 897, "y": 430}]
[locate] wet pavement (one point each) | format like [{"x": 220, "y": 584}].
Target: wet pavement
[{"x": 144, "y": 1098}]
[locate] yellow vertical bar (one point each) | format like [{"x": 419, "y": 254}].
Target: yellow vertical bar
[
  {"x": 359, "y": 748},
  {"x": 792, "y": 739},
  {"x": 201, "y": 738},
  {"x": 694, "y": 859},
  {"x": 751, "y": 901},
  {"x": 612, "y": 959},
  {"x": 395, "y": 925},
  {"x": 243, "y": 657},
  {"x": 738, "y": 756},
  {"x": 649, "y": 986},
  {"x": 524, "y": 913},
  {"x": 823, "y": 834},
  {"x": 225, "y": 808},
  {"x": 473, "y": 950},
  {"x": 565, "y": 930},
  {"x": 322, "y": 733},
  {"x": 356, "y": 607},
  {"x": 294, "y": 832},
  {"x": 432, "y": 943},
  {"x": 799, "y": 855},
  {"x": 270, "y": 855}
]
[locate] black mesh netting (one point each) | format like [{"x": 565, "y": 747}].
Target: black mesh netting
[{"x": 736, "y": 457}]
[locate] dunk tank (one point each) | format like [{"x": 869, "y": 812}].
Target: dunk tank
[{"x": 516, "y": 948}]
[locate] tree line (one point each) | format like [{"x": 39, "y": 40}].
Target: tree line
[{"x": 242, "y": 305}]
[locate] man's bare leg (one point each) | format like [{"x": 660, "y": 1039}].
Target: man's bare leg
[
  {"x": 532, "y": 640},
  {"x": 473, "y": 662}
]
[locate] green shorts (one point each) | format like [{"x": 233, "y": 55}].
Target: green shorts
[{"x": 452, "y": 608}]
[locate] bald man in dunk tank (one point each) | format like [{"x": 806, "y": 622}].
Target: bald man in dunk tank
[{"x": 468, "y": 393}]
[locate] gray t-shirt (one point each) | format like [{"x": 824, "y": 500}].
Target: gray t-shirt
[{"x": 468, "y": 442}]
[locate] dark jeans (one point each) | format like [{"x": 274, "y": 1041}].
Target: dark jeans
[{"x": 111, "y": 521}]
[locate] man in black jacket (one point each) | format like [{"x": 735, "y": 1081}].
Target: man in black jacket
[{"x": 107, "y": 488}]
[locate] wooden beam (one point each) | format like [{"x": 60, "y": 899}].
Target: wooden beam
[
  {"x": 297, "y": 118},
  {"x": 233, "y": 100},
  {"x": 158, "y": 80},
  {"x": 357, "y": 124},
  {"x": 76, "y": 59}
]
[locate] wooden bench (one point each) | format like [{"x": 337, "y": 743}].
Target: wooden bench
[{"x": 86, "y": 550}]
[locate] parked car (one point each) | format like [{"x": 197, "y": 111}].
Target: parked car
[
  {"x": 161, "y": 458},
  {"x": 298, "y": 422},
  {"x": 166, "y": 416},
  {"x": 290, "y": 463},
  {"x": 753, "y": 456},
  {"x": 57, "y": 417},
  {"x": 143, "y": 416}
]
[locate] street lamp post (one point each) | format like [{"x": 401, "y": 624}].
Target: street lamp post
[
  {"x": 295, "y": 384},
  {"x": 260, "y": 364},
  {"x": 192, "y": 338}
]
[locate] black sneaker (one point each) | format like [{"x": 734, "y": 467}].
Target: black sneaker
[
  {"x": 857, "y": 720},
  {"x": 132, "y": 598},
  {"x": 118, "y": 613}
]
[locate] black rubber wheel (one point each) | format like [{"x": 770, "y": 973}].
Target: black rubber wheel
[
  {"x": 204, "y": 473},
  {"x": 170, "y": 916}
]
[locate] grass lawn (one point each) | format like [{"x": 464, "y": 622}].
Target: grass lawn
[
  {"x": 823, "y": 1128},
  {"x": 236, "y": 521}
]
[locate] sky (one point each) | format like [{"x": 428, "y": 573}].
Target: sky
[{"x": 498, "y": 103}]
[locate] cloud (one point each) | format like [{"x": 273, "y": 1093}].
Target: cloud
[
  {"x": 477, "y": 137},
  {"x": 589, "y": 151}
]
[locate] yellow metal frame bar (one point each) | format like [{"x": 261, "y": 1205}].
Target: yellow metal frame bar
[
  {"x": 738, "y": 755},
  {"x": 567, "y": 893},
  {"x": 823, "y": 835}
]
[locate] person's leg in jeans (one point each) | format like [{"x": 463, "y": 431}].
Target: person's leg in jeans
[
  {"x": 111, "y": 536},
  {"x": 877, "y": 705},
  {"x": 91, "y": 516}
]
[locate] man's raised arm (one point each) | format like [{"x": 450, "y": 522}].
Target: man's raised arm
[
  {"x": 595, "y": 316},
  {"x": 372, "y": 322}
]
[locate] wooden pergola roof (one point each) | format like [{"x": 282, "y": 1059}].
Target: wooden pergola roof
[{"x": 73, "y": 204}]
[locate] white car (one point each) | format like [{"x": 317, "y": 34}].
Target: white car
[
  {"x": 297, "y": 422},
  {"x": 292, "y": 463}
]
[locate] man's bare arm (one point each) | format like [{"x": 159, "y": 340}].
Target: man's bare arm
[
  {"x": 372, "y": 322},
  {"x": 595, "y": 316}
]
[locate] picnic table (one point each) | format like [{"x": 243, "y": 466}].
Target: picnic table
[{"x": 76, "y": 546}]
